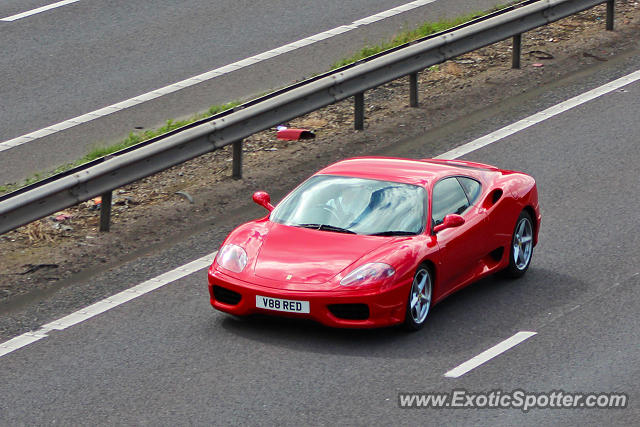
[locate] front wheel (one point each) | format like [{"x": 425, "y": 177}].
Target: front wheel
[
  {"x": 521, "y": 249},
  {"x": 419, "y": 299}
]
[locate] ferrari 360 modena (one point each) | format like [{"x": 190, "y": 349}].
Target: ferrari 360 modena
[{"x": 371, "y": 242}]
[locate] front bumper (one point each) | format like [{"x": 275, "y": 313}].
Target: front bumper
[{"x": 385, "y": 307}]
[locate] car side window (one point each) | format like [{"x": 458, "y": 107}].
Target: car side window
[
  {"x": 471, "y": 187},
  {"x": 448, "y": 198}
]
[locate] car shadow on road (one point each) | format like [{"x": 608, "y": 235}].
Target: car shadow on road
[{"x": 484, "y": 313}]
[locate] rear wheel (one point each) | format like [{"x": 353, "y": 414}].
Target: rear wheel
[
  {"x": 419, "y": 299},
  {"x": 521, "y": 249}
]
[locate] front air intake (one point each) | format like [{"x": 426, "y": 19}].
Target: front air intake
[
  {"x": 349, "y": 311},
  {"x": 226, "y": 296}
]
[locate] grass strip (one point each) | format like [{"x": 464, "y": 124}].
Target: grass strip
[
  {"x": 132, "y": 139},
  {"x": 426, "y": 29}
]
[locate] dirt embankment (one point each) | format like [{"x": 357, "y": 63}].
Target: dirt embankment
[{"x": 43, "y": 253}]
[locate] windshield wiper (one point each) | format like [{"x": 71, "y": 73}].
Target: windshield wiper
[
  {"x": 394, "y": 233},
  {"x": 327, "y": 227}
]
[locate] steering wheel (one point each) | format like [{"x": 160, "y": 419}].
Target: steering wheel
[{"x": 331, "y": 211}]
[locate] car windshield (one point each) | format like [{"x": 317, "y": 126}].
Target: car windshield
[{"x": 354, "y": 205}]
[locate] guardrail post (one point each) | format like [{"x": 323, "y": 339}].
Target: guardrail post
[
  {"x": 515, "y": 54},
  {"x": 105, "y": 212},
  {"x": 358, "y": 99},
  {"x": 237, "y": 159},
  {"x": 42, "y": 199},
  {"x": 413, "y": 89}
]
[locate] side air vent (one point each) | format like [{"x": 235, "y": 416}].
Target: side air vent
[
  {"x": 492, "y": 198},
  {"x": 496, "y": 195}
]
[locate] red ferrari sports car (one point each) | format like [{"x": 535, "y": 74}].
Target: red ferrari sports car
[{"x": 371, "y": 242}]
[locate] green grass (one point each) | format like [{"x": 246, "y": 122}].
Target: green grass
[
  {"x": 133, "y": 139},
  {"x": 426, "y": 29}
]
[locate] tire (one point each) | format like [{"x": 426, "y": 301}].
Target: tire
[
  {"x": 419, "y": 301},
  {"x": 521, "y": 248}
]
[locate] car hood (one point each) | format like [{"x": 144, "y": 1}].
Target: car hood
[{"x": 301, "y": 255}]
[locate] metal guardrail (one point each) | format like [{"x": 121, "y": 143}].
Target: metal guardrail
[{"x": 102, "y": 176}]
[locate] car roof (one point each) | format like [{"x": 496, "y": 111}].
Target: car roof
[{"x": 410, "y": 171}]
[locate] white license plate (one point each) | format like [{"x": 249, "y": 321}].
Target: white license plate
[{"x": 277, "y": 304}]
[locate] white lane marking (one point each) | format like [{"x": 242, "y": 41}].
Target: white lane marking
[
  {"x": 106, "y": 304},
  {"x": 541, "y": 116},
  {"x": 23, "y": 139},
  {"x": 489, "y": 354},
  {"x": 38, "y": 10},
  {"x": 159, "y": 281}
]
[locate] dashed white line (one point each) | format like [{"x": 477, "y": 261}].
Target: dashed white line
[
  {"x": 23, "y": 139},
  {"x": 200, "y": 263},
  {"x": 38, "y": 10},
  {"x": 489, "y": 354},
  {"x": 541, "y": 116},
  {"x": 106, "y": 304}
]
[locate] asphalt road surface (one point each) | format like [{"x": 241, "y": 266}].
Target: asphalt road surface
[
  {"x": 167, "y": 358},
  {"x": 72, "y": 60}
]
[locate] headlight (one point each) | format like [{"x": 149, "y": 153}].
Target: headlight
[
  {"x": 232, "y": 257},
  {"x": 368, "y": 273}
]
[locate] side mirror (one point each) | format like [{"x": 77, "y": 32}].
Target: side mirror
[
  {"x": 449, "y": 221},
  {"x": 263, "y": 199}
]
